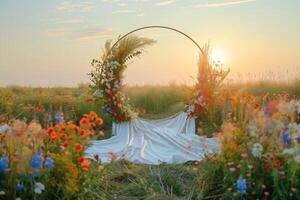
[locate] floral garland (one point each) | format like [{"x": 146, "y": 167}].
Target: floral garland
[
  {"x": 108, "y": 73},
  {"x": 210, "y": 78}
]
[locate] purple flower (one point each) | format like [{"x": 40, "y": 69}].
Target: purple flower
[{"x": 97, "y": 157}]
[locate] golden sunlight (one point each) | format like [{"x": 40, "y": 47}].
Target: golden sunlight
[{"x": 217, "y": 56}]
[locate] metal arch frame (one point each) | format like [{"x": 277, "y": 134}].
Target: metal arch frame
[{"x": 162, "y": 27}]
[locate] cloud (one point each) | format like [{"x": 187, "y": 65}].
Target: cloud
[
  {"x": 221, "y": 4},
  {"x": 140, "y": 14},
  {"x": 166, "y": 2},
  {"x": 68, "y": 6},
  {"x": 68, "y": 21},
  {"x": 79, "y": 34},
  {"x": 124, "y": 11}
]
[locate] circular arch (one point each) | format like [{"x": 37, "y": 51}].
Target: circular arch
[
  {"x": 107, "y": 76},
  {"x": 161, "y": 27}
]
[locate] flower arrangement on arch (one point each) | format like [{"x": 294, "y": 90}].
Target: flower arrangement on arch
[
  {"x": 210, "y": 77},
  {"x": 107, "y": 76}
]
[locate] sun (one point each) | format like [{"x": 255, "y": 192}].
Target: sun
[{"x": 217, "y": 56}]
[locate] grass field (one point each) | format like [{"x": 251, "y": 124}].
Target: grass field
[{"x": 124, "y": 180}]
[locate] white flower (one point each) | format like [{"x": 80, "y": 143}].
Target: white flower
[
  {"x": 232, "y": 169},
  {"x": 252, "y": 129},
  {"x": 285, "y": 107},
  {"x": 39, "y": 187},
  {"x": 2, "y": 193},
  {"x": 257, "y": 150},
  {"x": 288, "y": 151},
  {"x": 18, "y": 198},
  {"x": 297, "y": 159}
]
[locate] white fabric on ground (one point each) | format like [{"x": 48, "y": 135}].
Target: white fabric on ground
[{"x": 170, "y": 140}]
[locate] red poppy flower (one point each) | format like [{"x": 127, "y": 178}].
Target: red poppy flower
[
  {"x": 82, "y": 132},
  {"x": 81, "y": 159},
  {"x": 277, "y": 164},
  {"x": 50, "y": 130},
  {"x": 267, "y": 168},
  {"x": 78, "y": 147},
  {"x": 62, "y": 135},
  {"x": 65, "y": 144},
  {"x": 54, "y": 137},
  {"x": 92, "y": 124},
  {"x": 84, "y": 121},
  {"x": 100, "y": 121}
]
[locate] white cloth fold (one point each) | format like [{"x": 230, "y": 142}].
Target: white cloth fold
[{"x": 170, "y": 140}]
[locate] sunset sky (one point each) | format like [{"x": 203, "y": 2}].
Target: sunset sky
[{"x": 51, "y": 43}]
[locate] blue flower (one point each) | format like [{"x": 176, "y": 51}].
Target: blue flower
[
  {"x": 59, "y": 118},
  {"x": 19, "y": 187},
  {"x": 49, "y": 162},
  {"x": 3, "y": 163},
  {"x": 241, "y": 186},
  {"x": 37, "y": 159},
  {"x": 286, "y": 137}
]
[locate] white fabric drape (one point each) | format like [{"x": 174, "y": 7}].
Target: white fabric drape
[{"x": 170, "y": 140}]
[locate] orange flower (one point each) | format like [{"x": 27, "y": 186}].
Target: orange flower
[
  {"x": 62, "y": 135},
  {"x": 78, "y": 147},
  {"x": 92, "y": 132},
  {"x": 92, "y": 124},
  {"x": 54, "y": 137},
  {"x": 81, "y": 159},
  {"x": 99, "y": 121},
  {"x": 83, "y": 121},
  {"x": 85, "y": 169},
  {"x": 50, "y": 130},
  {"x": 82, "y": 132},
  {"x": 277, "y": 164},
  {"x": 71, "y": 138},
  {"x": 93, "y": 115}
]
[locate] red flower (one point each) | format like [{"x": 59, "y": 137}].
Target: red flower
[
  {"x": 277, "y": 164},
  {"x": 54, "y": 137},
  {"x": 65, "y": 144},
  {"x": 92, "y": 124},
  {"x": 266, "y": 194},
  {"x": 83, "y": 121},
  {"x": 78, "y": 147},
  {"x": 267, "y": 168},
  {"x": 62, "y": 135},
  {"x": 50, "y": 130},
  {"x": 81, "y": 159},
  {"x": 82, "y": 132},
  {"x": 85, "y": 169},
  {"x": 100, "y": 121}
]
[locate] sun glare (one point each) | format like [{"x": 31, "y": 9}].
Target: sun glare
[{"x": 217, "y": 56}]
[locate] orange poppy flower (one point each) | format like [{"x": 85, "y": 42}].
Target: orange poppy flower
[{"x": 78, "y": 147}]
